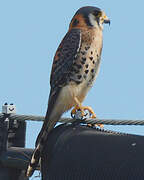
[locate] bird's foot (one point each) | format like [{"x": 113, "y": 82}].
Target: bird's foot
[
  {"x": 75, "y": 114},
  {"x": 92, "y": 115},
  {"x": 82, "y": 110}
]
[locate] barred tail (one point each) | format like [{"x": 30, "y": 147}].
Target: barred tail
[
  {"x": 42, "y": 138},
  {"x": 48, "y": 125},
  {"x": 34, "y": 161},
  {"x": 54, "y": 112}
]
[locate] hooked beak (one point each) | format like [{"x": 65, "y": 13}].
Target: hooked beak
[{"x": 106, "y": 20}]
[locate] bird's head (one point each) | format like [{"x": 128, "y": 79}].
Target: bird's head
[{"x": 89, "y": 16}]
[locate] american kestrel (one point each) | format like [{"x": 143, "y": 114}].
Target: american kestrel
[{"x": 75, "y": 67}]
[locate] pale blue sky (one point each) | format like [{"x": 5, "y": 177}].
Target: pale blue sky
[{"x": 30, "y": 32}]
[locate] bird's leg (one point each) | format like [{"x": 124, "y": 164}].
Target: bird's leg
[{"x": 79, "y": 106}]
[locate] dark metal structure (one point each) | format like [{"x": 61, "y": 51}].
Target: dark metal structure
[
  {"x": 12, "y": 134},
  {"x": 73, "y": 151},
  {"x": 76, "y": 152}
]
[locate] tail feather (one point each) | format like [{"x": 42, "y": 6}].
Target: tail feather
[
  {"x": 41, "y": 141},
  {"x": 54, "y": 112},
  {"x": 34, "y": 162},
  {"x": 47, "y": 122},
  {"x": 37, "y": 152}
]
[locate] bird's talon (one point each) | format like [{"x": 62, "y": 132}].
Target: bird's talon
[
  {"x": 99, "y": 125},
  {"x": 72, "y": 115}
]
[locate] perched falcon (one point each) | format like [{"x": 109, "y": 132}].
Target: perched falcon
[{"x": 75, "y": 67}]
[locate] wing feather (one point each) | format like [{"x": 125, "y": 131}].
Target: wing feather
[{"x": 64, "y": 58}]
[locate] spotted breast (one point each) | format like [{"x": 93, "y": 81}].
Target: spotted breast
[{"x": 86, "y": 67}]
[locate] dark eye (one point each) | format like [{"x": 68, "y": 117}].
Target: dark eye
[{"x": 97, "y": 13}]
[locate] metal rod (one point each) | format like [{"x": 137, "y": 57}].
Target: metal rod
[{"x": 70, "y": 120}]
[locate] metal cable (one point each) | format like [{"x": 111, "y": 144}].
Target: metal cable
[{"x": 70, "y": 120}]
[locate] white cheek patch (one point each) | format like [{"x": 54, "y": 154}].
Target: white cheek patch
[{"x": 93, "y": 21}]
